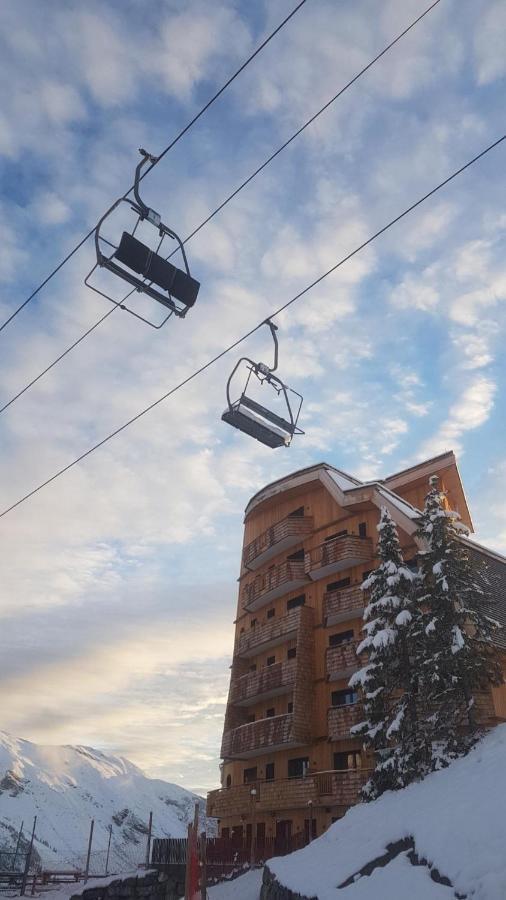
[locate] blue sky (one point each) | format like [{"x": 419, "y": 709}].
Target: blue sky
[{"x": 119, "y": 579}]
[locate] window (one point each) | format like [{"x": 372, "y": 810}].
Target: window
[
  {"x": 270, "y": 661},
  {"x": 271, "y": 613},
  {"x": 295, "y": 602},
  {"x": 344, "y": 698},
  {"x": 250, "y": 775},
  {"x": 260, "y": 833},
  {"x": 298, "y": 767},
  {"x": 289, "y": 707},
  {"x": 342, "y": 637},
  {"x": 350, "y": 760},
  {"x": 225, "y": 833},
  {"x": 253, "y": 623},
  {"x": 337, "y": 585},
  {"x": 362, "y": 529},
  {"x": 253, "y": 667},
  {"x": 297, "y": 556},
  {"x": 229, "y": 781},
  {"x": 269, "y": 713},
  {"x": 366, "y": 574},
  {"x": 269, "y": 772},
  {"x": 297, "y": 512},
  {"x": 250, "y": 718},
  {"x": 291, "y": 653}
]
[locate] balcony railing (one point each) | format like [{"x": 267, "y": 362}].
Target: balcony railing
[
  {"x": 338, "y": 606},
  {"x": 268, "y": 634},
  {"x": 268, "y": 682},
  {"x": 341, "y": 661},
  {"x": 339, "y": 788},
  {"x": 339, "y": 553},
  {"x": 341, "y": 718},
  {"x": 288, "y": 576},
  {"x": 274, "y": 540},
  {"x": 263, "y": 736}
]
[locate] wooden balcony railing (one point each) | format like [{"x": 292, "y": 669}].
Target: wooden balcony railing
[
  {"x": 271, "y": 680},
  {"x": 267, "y": 634},
  {"x": 338, "y": 606},
  {"x": 340, "y": 553},
  {"x": 276, "y": 581},
  {"x": 342, "y": 660},
  {"x": 340, "y": 788},
  {"x": 278, "y": 537},
  {"x": 341, "y": 718},
  {"x": 257, "y": 737}
]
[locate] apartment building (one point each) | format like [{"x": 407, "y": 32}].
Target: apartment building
[{"x": 290, "y": 767}]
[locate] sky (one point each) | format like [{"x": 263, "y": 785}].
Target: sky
[{"x": 118, "y": 585}]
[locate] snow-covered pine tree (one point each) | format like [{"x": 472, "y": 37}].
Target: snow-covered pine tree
[
  {"x": 386, "y": 679},
  {"x": 454, "y": 655}
]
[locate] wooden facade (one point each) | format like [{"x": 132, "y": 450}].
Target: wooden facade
[{"x": 289, "y": 763}]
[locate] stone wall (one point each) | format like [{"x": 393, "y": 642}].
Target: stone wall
[
  {"x": 151, "y": 886},
  {"x": 273, "y": 890}
]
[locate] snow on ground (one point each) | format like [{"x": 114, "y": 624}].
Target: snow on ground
[
  {"x": 456, "y": 817},
  {"x": 246, "y": 887}
]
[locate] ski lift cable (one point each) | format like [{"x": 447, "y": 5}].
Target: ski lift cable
[
  {"x": 231, "y": 196},
  {"x": 249, "y": 333},
  {"x": 157, "y": 160}
]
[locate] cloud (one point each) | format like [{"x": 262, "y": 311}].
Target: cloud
[
  {"x": 489, "y": 60},
  {"x": 470, "y": 410}
]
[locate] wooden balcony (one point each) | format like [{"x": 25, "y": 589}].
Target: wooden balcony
[
  {"x": 342, "y": 661},
  {"x": 341, "y": 718},
  {"x": 288, "y": 576},
  {"x": 267, "y": 634},
  {"x": 268, "y": 682},
  {"x": 338, "y": 606},
  {"x": 340, "y": 553},
  {"x": 274, "y": 540},
  {"x": 334, "y": 788},
  {"x": 263, "y": 736}
]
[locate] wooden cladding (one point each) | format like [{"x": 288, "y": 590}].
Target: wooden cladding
[
  {"x": 341, "y": 718},
  {"x": 274, "y": 582},
  {"x": 274, "y": 540},
  {"x": 341, "y": 552},
  {"x": 322, "y": 788},
  {"x": 257, "y": 737},
  {"x": 267, "y": 634},
  {"x": 340, "y": 605},
  {"x": 271, "y": 680},
  {"x": 342, "y": 660}
]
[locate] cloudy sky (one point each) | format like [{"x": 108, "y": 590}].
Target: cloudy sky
[{"x": 118, "y": 581}]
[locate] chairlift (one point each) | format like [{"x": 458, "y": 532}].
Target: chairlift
[
  {"x": 139, "y": 265},
  {"x": 256, "y": 420}
]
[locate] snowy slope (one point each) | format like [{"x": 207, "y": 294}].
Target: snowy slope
[
  {"x": 456, "y": 819},
  {"x": 66, "y": 787}
]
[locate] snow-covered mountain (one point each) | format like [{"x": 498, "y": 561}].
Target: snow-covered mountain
[
  {"x": 439, "y": 839},
  {"x": 66, "y": 787}
]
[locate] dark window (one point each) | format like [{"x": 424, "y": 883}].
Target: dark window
[
  {"x": 250, "y": 718},
  {"x": 269, "y": 713},
  {"x": 253, "y": 667},
  {"x": 270, "y": 661},
  {"x": 229, "y": 781},
  {"x": 297, "y": 512},
  {"x": 366, "y": 574},
  {"x": 253, "y": 623},
  {"x": 362, "y": 529},
  {"x": 225, "y": 833},
  {"x": 261, "y": 833},
  {"x": 237, "y": 834},
  {"x": 250, "y": 775},
  {"x": 351, "y": 760},
  {"x": 295, "y": 601},
  {"x": 342, "y": 637},
  {"x": 289, "y": 707},
  {"x": 292, "y": 653},
  {"x": 336, "y": 534},
  {"x": 271, "y": 613},
  {"x": 306, "y": 829},
  {"x": 297, "y": 767},
  {"x": 297, "y": 556},
  {"x": 337, "y": 585},
  {"x": 344, "y": 698},
  {"x": 269, "y": 772}
]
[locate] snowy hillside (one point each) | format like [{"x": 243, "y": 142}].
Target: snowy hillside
[
  {"x": 66, "y": 787},
  {"x": 453, "y": 822}
]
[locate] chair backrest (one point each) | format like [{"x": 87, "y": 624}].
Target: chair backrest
[{"x": 266, "y": 414}]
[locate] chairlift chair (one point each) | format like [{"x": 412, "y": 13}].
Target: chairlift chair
[
  {"x": 256, "y": 420},
  {"x": 140, "y": 266}
]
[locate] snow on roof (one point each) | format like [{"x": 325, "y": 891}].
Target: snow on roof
[
  {"x": 402, "y": 505},
  {"x": 455, "y": 818},
  {"x": 343, "y": 481}
]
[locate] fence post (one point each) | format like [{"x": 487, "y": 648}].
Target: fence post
[
  {"x": 203, "y": 866},
  {"x": 148, "y": 845},
  {"x": 108, "y": 849},
  {"x": 87, "y": 870},
  {"x": 17, "y": 847},
  {"x": 28, "y": 859}
]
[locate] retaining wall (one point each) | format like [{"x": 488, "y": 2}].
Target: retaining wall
[{"x": 151, "y": 886}]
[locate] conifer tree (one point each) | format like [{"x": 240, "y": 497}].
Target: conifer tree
[
  {"x": 386, "y": 679},
  {"x": 452, "y": 651}
]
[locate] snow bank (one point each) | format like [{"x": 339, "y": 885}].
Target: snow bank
[
  {"x": 456, "y": 818},
  {"x": 246, "y": 887}
]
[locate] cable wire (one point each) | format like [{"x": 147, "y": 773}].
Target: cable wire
[
  {"x": 234, "y": 193},
  {"x": 158, "y": 158},
  {"x": 248, "y": 334}
]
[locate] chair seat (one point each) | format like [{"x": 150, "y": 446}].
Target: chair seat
[{"x": 259, "y": 423}]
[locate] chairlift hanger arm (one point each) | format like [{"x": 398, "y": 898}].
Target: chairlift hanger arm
[{"x": 245, "y": 359}]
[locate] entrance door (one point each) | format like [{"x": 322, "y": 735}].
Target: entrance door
[{"x": 283, "y": 835}]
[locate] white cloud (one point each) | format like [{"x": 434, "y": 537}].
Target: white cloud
[
  {"x": 489, "y": 57},
  {"x": 470, "y": 410}
]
